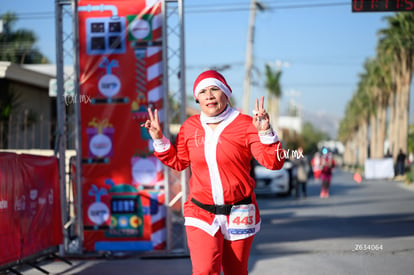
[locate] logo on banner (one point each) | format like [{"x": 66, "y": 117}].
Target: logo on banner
[
  {"x": 3, "y": 204},
  {"x": 33, "y": 194},
  {"x": 50, "y": 197},
  {"x": 100, "y": 145},
  {"x": 109, "y": 85},
  {"x": 146, "y": 171},
  {"x": 100, "y": 136},
  {"x": 139, "y": 27},
  {"x": 33, "y": 203},
  {"x": 20, "y": 203},
  {"x": 42, "y": 201},
  {"x": 98, "y": 212}
]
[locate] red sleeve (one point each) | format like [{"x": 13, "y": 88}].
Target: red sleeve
[
  {"x": 176, "y": 156},
  {"x": 271, "y": 156}
]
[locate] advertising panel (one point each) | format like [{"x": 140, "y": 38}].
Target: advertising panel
[
  {"x": 30, "y": 208},
  {"x": 10, "y": 244},
  {"x": 120, "y": 53},
  {"x": 40, "y": 208}
]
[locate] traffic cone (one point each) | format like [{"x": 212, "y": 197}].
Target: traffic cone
[{"x": 357, "y": 178}]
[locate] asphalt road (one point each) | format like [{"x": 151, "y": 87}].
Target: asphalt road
[{"x": 365, "y": 228}]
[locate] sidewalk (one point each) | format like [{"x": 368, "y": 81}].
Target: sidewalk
[
  {"x": 139, "y": 263},
  {"x": 409, "y": 187}
]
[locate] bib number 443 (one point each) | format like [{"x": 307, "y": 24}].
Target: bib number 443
[{"x": 243, "y": 220}]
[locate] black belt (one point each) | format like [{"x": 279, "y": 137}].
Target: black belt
[{"x": 224, "y": 209}]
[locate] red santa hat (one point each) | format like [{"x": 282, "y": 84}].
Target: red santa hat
[{"x": 211, "y": 78}]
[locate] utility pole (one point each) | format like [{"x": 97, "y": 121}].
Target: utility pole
[{"x": 249, "y": 55}]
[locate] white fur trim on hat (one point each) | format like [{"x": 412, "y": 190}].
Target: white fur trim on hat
[{"x": 211, "y": 82}]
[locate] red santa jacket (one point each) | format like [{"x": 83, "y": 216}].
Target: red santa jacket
[{"x": 220, "y": 163}]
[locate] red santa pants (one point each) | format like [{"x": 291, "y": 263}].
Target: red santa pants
[{"x": 208, "y": 254}]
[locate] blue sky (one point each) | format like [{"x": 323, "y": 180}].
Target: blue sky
[{"x": 325, "y": 45}]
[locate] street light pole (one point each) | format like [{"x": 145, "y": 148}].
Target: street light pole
[
  {"x": 249, "y": 58},
  {"x": 249, "y": 54}
]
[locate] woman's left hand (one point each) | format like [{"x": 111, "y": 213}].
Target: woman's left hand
[{"x": 261, "y": 117}]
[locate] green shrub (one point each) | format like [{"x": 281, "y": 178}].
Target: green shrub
[{"x": 409, "y": 176}]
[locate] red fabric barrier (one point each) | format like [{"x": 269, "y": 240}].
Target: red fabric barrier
[
  {"x": 10, "y": 245},
  {"x": 41, "y": 222},
  {"x": 30, "y": 209}
]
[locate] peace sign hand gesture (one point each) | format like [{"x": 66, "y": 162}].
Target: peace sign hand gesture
[
  {"x": 153, "y": 125},
  {"x": 261, "y": 118}
]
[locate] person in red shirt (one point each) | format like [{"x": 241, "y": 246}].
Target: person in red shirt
[
  {"x": 327, "y": 164},
  {"x": 221, "y": 213},
  {"x": 316, "y": 166}
]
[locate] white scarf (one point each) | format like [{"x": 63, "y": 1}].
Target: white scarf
[{"x": 218, "y": 118}]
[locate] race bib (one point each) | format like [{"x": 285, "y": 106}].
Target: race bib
[{"x": 242, "y": 219}]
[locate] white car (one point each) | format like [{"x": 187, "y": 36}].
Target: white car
[{"x": 271, "y": 182}]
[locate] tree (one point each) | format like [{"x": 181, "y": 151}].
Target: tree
[
  {"x": 18, "y": 46},
  {"x": 311, "y": 137},
  {"x": 384, "y": 86},
  {"x": 396, "y": 42},
  {"x": 274, "y": 91},
  {"x": 411, "y": 139},
  {"x": 382, "y": 90},
  {"x": 9, "y": 102}
]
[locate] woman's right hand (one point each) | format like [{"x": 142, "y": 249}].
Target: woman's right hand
[{"x": 153, "y": 125}]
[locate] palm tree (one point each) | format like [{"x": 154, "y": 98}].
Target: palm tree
[
  {"x": 375, "y": 84},
  {"x": 364, "y": 108},
  {"x": 9, "y": 102},
  {"x": 18, "y": 46},
  {"x": 274, "y": 92},
  {"x": 359, "y": 117},
  {"x": 348, "y": 129},
  {"x": 384, "y": 85},
  {"x": 397, "y": 42},
  {"x": 383, "y": 89}
]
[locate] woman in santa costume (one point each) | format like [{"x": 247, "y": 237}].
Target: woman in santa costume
[{"x": 221, "y": 214}]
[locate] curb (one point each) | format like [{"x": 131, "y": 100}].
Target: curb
[{"x": 409, "y": 187}]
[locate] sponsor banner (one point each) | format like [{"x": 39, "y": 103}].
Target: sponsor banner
[
  {"x": 120, "y": 53},
  {"x": 10, "y": 238},
  {"x": 30, "y": 209},
  {"x": 41, "y": 223}
]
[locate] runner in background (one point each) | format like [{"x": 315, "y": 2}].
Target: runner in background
[
  {"x": 327, "y": 164},
  {"x": 316, "y": 166}
]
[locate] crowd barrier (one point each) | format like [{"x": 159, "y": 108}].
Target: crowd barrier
[{"x": 30, "y": 208}]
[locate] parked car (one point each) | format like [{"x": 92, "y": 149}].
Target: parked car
[{"x": 272, "y": 182}]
